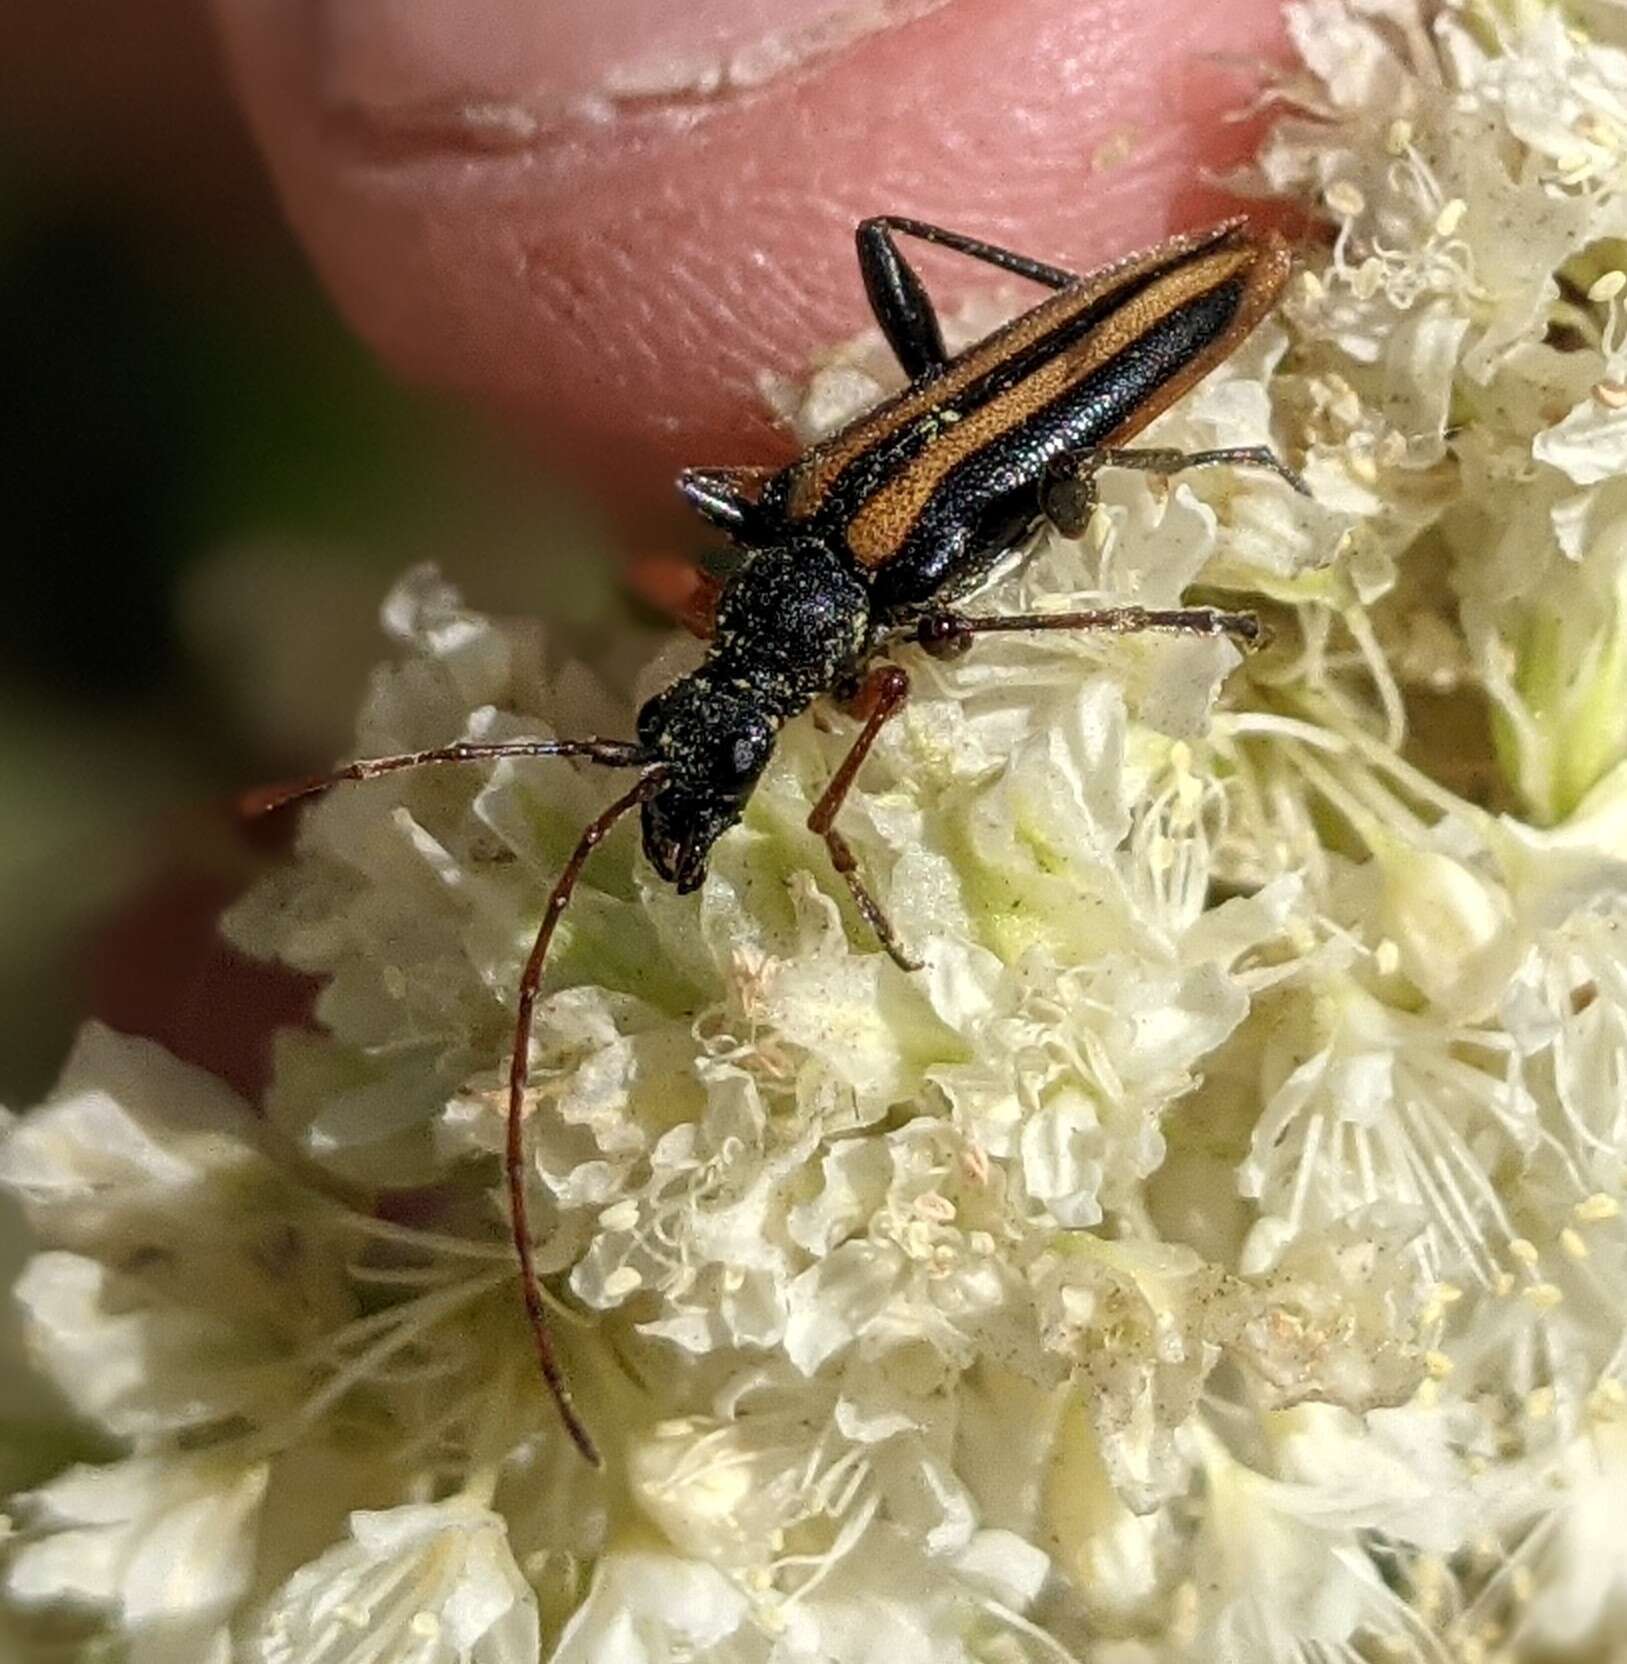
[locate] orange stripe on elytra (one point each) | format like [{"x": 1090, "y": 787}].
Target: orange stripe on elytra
[
  {"x": 813, "y": 474},
  {"x": 877, "y": 531}
]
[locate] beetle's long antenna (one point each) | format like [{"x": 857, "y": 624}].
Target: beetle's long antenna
[
  {"x": 518, "y": 1071},
  {"x": 611, "y": 753}
]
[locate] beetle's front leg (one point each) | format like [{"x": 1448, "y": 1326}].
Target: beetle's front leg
[
  {"x": 1068, "y": 492},
  {"x": 881, "y": 696}
]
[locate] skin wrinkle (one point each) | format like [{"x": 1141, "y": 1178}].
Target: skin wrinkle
[
  {"x": 406, "y": 80},
  {"x": 703, "y": 297},
  {"x": 420, "y": 253}
]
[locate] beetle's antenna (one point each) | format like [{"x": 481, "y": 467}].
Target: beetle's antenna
[
  {"x": 611, "y": 753},
  {"x": 518, "y": 1071}
]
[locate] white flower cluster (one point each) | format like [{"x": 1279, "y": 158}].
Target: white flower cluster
[{"x": 1214, "y": 1253}]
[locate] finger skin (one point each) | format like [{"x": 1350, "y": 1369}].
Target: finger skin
[{"x": 609, "y": 243}]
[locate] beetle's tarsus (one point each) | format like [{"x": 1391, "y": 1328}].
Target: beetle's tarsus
[
  {"x": 1068, "y": 491},
  {"x": 991, "y": 254}
]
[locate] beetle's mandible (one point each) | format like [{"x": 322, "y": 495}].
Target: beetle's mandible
[{"x": 871, "y": 539}]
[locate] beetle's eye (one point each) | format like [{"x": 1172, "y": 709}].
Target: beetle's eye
[
  {"x": 652, "y": 718},
  {"x": 739, "y": 759},
  {"x": 742, "y": 758}
]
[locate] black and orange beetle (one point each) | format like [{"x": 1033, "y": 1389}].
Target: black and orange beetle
[{"x": 867, "y": 540}]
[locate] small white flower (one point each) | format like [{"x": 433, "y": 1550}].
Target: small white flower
[
  {"x": 1140, "y": 1324},
  {"x": 191, "y": 1272},
  {"x": 1571, "y": 1564},
  {"x": 161, "y": 1549},
  {"x": 1383, "y": 1111},
  {"x": 650, "y": 1607},
  {"x": 1279, "y": 1570},
  {"x": 426, "y": 1584}
]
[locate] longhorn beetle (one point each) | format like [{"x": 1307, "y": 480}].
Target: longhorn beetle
[{"x": 868, "y": 540}]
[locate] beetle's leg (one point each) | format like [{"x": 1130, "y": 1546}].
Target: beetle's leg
[
  {"x": 725, "y": 497},
  {"x": 883, "y": 693},
  {"x": 899, "y": 300},
  {"x": 518, "y": 1069},
  {"x": 1069, "y": 492},
  {"x": 1243, "y": 627},
  {"x": 1020, "y": 265},
  {"x": 940, "y": 634}
]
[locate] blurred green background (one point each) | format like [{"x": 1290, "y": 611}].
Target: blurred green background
[{"x": 208, "y": 487}]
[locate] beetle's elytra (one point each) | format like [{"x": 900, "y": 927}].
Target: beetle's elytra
[{"x": 868, "y": 541}]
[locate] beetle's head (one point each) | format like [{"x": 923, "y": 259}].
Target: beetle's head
[{"x": 712, "y": 744}]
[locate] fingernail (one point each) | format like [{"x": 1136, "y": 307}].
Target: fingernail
[
  {"x": 387, "y": 55},
  {"x": 398, "y": 57}
]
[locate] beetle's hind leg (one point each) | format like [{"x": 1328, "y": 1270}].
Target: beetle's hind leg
[
  {"x": 880, "y": 696},
  {"x": 899, "y": 299},
  {"x": 1068, "y": 494}
]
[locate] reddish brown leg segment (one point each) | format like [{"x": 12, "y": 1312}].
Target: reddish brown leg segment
[
  {"x": 518, "y": 1071},
  {"x": 678, "y": 588},
  {"x": 882, "y": 695}
]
